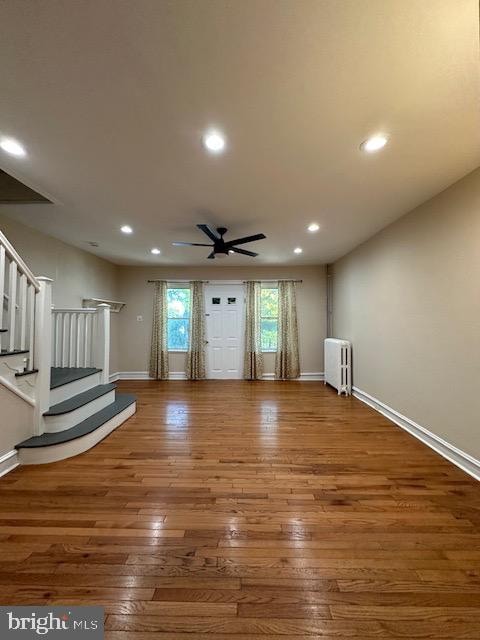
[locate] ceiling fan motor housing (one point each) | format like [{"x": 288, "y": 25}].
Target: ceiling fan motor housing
[{"x": 220, "y": 247}]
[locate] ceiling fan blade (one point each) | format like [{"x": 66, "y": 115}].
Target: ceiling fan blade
[
  {"x": 209, "y": 231},
  {"x": 189, "y": 244},
  {"x": 211, "y": 256},
  {"x": 257, "y": 236},
  {"x": 242, "y": 251}
]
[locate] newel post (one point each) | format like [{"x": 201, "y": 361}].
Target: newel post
[
  {"x": 102, "y": 342},
  {"x": 43, "y": 350}
]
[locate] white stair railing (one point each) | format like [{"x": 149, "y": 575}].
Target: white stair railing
[
  {"x": 73, "y": 337},
  {"x": 81, "y": 338},
  {"x": 18, "y": 289},
  {"x": 58, "y": 337}
]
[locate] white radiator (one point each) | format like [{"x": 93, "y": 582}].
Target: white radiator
[{"x": 338, "y": 371}]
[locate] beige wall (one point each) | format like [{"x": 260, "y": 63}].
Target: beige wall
[
  {"x": 16, "y": 420},
  {"x": 138, "y": 294},
  {"x": 76, "y": 274},
  {"x": 409, "y": 299}
]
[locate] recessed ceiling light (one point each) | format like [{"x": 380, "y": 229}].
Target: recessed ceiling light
[
  {"x": 126, "y": 229},
  {"x": 298, "y": 250},
  {"x": 374, "y": 143},
  {"x": 155, "y": 251},
  {"x": 313, "y": 227},
  {"x": 13, "y": 147},
  {"x": 214, "y": 142}
]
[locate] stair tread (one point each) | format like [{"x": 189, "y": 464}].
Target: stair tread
[
  {"x": 75, "y": 402},
  {"x": 5, "y": 352},
  {"x": 27, "y": 372},
  {"x": 123, "y": 400},
  {"x": 3, "y": 330},
  {"x": 63, "y": 375}
]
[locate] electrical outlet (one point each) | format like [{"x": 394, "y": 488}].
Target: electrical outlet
[{"x": 139, "y": 318}]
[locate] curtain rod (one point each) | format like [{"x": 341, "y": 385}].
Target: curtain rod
[
  {"x": 274, "y": 280},
  {"x": 243, "y": 281},
  {"x": 176, "y": 280}
]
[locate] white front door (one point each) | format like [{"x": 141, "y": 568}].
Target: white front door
[{"x": 225, "y": 309}]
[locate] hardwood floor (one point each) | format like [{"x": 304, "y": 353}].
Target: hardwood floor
[{"x": 265, "y": 510}]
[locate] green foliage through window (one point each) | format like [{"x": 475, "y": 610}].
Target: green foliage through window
[
  {"x": 269, "y": 318},
  {"x": 178, "y": 314}
]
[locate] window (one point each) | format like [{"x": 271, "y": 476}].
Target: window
[
  {"x": 269, "y": 318},
  {"x": 178, "y": 314}
]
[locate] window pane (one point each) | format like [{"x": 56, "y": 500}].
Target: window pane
[
  {"x": 269, "y": 303},
  {"x": 269, "y": 334},
  {"x": 178, "y": 303},
  {"x": 178, "y": 330},
  {"x": 269, "y": 315}
]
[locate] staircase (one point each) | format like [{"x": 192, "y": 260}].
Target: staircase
[
  {"x": 79, "y": 419},
  {"x": 55, "y": 392}
]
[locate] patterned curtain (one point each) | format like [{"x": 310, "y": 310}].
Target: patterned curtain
[
  {"x": 196, "y": 350},
  {"x": 159, "y": 348},
  {"x": 287, "y": 365},
  {"x": 253, "y": 362}
]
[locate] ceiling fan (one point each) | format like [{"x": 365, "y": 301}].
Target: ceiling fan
[{"x": 221, "y": 248}]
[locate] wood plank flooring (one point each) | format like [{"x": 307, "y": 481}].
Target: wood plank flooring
[{"x": 228, "y": 509}]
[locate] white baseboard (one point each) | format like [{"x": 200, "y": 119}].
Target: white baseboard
[
  {"x": 304, "y": 376},
  {"x": 181, "y": 375},
  {"x": 177, "y": 375},
  {"x": 143, "y": 375},
  {"x": 129, "y": 375},
  {"x": 307, "y": 375},
  {"x": 463, "y": 460},
  {"x": 8, "y": 462}
]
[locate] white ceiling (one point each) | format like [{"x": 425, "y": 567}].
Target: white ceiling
[{"x": 111, "y": 98}]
